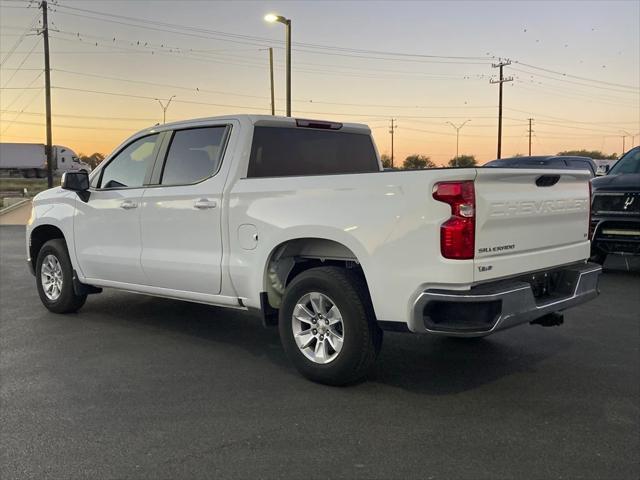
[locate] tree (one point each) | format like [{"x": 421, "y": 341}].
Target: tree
[
  {"x": 415, "y": 161},
  {"x": 92, "y": 160},
  {"x": 463, "y": 161},
  {"x": 596, "y": 154},
  {"x": 386, "y": 160}
]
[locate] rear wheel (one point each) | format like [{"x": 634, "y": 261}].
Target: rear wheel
[
  {"x": 327, "y": 326},
  {"x": 54, "y": 278}
]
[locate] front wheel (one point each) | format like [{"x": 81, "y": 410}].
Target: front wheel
[
  {"x": 327, "y": 326},
  {"x": 54, "y": 278}
]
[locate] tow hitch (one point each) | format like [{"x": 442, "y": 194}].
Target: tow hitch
[{"x": 553, "y": 319}]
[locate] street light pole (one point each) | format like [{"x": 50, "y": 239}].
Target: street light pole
[
  {"x": 288, "y": 25},
  {"x": 458, "y": 128},
  {"x": 165, "y": 107},
  {"x": 271, "y": 18}
]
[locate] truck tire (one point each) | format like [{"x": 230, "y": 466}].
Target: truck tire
[
  {"x": 31, "y": 173},
  {"x": 327, "y": 326},
  {"x": 54, "y": 278},
  {"x": 41, "y": 173}
]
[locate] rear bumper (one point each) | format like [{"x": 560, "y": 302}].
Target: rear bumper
[{"x": 488, "y": 308}]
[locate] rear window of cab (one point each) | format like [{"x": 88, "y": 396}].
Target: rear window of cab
[{"x": 282, "y": 151}]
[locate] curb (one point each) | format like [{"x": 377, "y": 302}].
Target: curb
[{"x": 15, "y": 206}]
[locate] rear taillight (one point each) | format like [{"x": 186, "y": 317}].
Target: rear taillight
[
  {"x": 457, "y": 235},
  {"x": 590, "y": 229}
]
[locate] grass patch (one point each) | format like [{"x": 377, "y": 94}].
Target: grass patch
[{"x": 33, "y": 185}]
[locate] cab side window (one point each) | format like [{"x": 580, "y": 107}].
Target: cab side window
[
  {"x": 129, "y": 167},
  {"x": 193, "y": 155}
]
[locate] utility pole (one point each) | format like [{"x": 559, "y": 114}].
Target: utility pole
[
  {"x": 392, "y": 130},
  {"x": 458, "y": 135},
  {"x": 624, "y": 135},
  {"x": 47, "y": 90},
  {"x": 165, "y": 107},
  {"x": 288, "y": 46},
  {"x": 502, "y": 80},
  {"x": 530, "y": 132},
  {"x": 273, "y": 100}
]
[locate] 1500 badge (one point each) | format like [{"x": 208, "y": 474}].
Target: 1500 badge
[{"x": 499, "y": 248}]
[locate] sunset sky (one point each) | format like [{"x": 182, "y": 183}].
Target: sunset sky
[{"x": 576, "y": 69}]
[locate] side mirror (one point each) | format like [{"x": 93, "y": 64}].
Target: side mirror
[{"x": 78, "y": 182}]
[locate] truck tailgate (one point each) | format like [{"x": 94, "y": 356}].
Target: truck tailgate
[{"x": 528, "y": 220}]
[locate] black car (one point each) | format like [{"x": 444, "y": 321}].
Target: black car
[
  {"x": 615, "y": 207},
  {"x": 547, "y": 161}
]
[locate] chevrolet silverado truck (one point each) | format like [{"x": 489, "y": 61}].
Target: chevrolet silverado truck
[
  {"x": 615, "y": 221},
  {"x": 298, "y": 220}
]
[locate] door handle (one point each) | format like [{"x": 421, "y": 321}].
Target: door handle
[
  {"x": 203, "y": 204},
  {"x": 128, "y": 205}
]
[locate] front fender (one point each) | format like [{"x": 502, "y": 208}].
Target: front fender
[{"x": 55, "y": 207}]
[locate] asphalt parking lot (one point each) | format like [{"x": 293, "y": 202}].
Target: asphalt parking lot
[{"x": 141, "y": 387}]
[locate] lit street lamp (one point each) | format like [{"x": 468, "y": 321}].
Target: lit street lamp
[
  {"x": 271, "y": 18},
  {"x": 458, "y": 134}
]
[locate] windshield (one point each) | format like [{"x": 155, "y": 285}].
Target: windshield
[{"x": 629, "y": 163}]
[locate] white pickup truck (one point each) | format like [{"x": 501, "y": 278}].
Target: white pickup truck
[{"x": 296, "y": 218}]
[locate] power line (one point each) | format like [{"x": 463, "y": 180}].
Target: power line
[
  {"x": 24, "y": 89},
  {"x": 204, "y": 90},
  {"x": 551, "y": 124},
  {"x": 80, "y": 127},
  {"x": 591, "y": 98},
  {"x": 322, "y": 49},
  {"x": 19, "y": 40},
  {"x": 147, "y": 22},
  {"x": 151, "y": 47},
  {"x": 266, "y": 106},
  {"x": 11, "y": 122},
  {"x": 16, "y": 70},
  {"x": 561, "y": 119},
  {"x": 563, "y": 74},
  {"x": 87, "y": 117},
  {"x": 563, "y": 80},
  {"x": 257, "y": 64}
]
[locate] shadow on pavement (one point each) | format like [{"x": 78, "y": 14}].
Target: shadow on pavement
[{"x": 422, "y": 364}]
